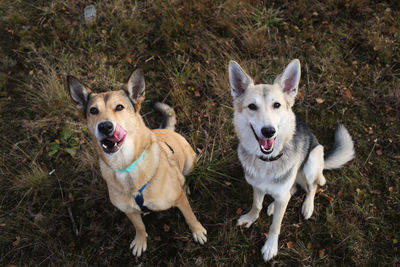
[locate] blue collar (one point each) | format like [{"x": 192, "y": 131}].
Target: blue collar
[{"x": 133, "y": 165}]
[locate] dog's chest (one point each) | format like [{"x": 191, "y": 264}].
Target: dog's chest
[{"x": 274, "y": 178}]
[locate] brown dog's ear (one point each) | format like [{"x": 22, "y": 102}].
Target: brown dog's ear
[
  {"x": 79, "y": 93},
  {"x": 135, "y": 88}
]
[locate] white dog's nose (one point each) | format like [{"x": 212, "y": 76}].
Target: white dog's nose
[{"x": 268, "y": 132}]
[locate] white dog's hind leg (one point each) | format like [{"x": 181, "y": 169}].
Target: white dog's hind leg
[
  {"x": 250, "y": 217},
  {"x": 313, "y": 173},
  {"x": 270, "y": 248},
  {"x": 270, "y": 210}
]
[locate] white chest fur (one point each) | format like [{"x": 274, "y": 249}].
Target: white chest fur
[{"x": 274, "y": 178}]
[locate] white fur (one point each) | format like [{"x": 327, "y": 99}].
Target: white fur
[{"x": 277, "y": 178}]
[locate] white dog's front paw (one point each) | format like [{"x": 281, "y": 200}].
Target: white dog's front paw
[
  {"x": 247, "y": 219},
  {"x": 307, "y": 209},
  {"x": 200, "y": 235},
  {"x": 270, "y": 249},
  {"x": 271, "y": 208},
  {"x": 138, "y": 246}
]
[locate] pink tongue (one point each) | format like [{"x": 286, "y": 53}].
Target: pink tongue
[
  {"x": 267, "y": 144},
  {"x": 119, "y": 134}
]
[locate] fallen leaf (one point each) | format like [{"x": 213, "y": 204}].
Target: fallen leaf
[
  {"x": 321, "y": 253},
  {"x": 157, "y": 238},
  {"x": 379, "y": 152},
  {"x": 329, "y": 197},
  {"x": 239, "y": 211},
  {"x": 290, "y": 244},
  {"x": 266, "y": 235},
  {"x": 197, "y": 93},
  {"x": 16, "y": 242},
  {"x": 227, "y": 183},
  {"x": 70, "y": 197},
  {"x": 370, "y": 131},
  {"x": 348, "y": 94},
  {"x": 64, "y": 37},
  {"x": 319, "y": 100},
  {"x": 129, "y": 60},
  {"x": 390, "y": 190},
  {"x": 166, "y": 228},
  {"x": 300, "y": 95},
  {"x": 308, "y": 245}
]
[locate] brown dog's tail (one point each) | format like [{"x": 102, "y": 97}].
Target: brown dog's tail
[{"x": 168, "y": 113}]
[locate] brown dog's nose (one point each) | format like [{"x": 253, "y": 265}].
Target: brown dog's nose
[{"x": 106, "y": 127}]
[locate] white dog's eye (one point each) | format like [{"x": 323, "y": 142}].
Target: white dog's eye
[
  {"x": 277, "y": 105},
  {"x": 252, "y": 106},
  {"x": 119, "y": 107}
]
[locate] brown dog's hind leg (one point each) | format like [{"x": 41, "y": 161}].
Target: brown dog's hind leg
[
  {"x": 139, "y": 244},
  {"x": 199, "y": 232}
]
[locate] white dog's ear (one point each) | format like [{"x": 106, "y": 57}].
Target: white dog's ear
[
  {"x": 238, "y": 79},
  {"x": 135, "y": 88},
  {"x": 290, "y": 78},
  {"x": 79, "y": 92}
]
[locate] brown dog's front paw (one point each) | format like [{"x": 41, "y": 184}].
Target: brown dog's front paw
[
  {"x": 138, "y": 246},
  {"x": 200, "y": 234}
]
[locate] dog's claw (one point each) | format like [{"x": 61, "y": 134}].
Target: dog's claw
[
  {"x": 270, "y": 249},
  {"x": 200, "y": 235},
  {"x": 247, "y": 220},
  {"x": 138, "y": 246}
]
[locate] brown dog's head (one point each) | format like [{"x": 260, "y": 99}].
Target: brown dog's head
[{"x": 111, "y": 116}]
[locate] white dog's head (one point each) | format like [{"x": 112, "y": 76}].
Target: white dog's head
[{"x": 263, "y": 116}]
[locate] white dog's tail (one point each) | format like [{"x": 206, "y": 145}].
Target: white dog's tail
[
  {"x": 168, "y": 113},
  {"x": 342, "y": 150}
]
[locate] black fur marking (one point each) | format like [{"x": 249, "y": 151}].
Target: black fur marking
[
  {"x": 86, "y": 105},
  {"x": 133, "y": 104}
]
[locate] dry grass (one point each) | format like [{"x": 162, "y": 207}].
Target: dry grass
[{"x": 349, "y": 52}]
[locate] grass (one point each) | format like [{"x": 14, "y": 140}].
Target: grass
[{"x": 349, "y": 52}]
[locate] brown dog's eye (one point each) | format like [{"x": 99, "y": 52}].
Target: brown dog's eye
[
  {"x": 94, "y": 111},
  {"x": 119, "y": 107}
]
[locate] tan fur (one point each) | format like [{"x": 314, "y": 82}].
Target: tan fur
[{"x": 163, "y": 169}]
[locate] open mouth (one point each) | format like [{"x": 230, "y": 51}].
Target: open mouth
[
  {"x": 113, "y": 143},
  {"x": 266, "y": 144}
]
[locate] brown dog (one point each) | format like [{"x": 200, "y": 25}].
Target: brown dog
[{"x": 144, "y": 169}]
